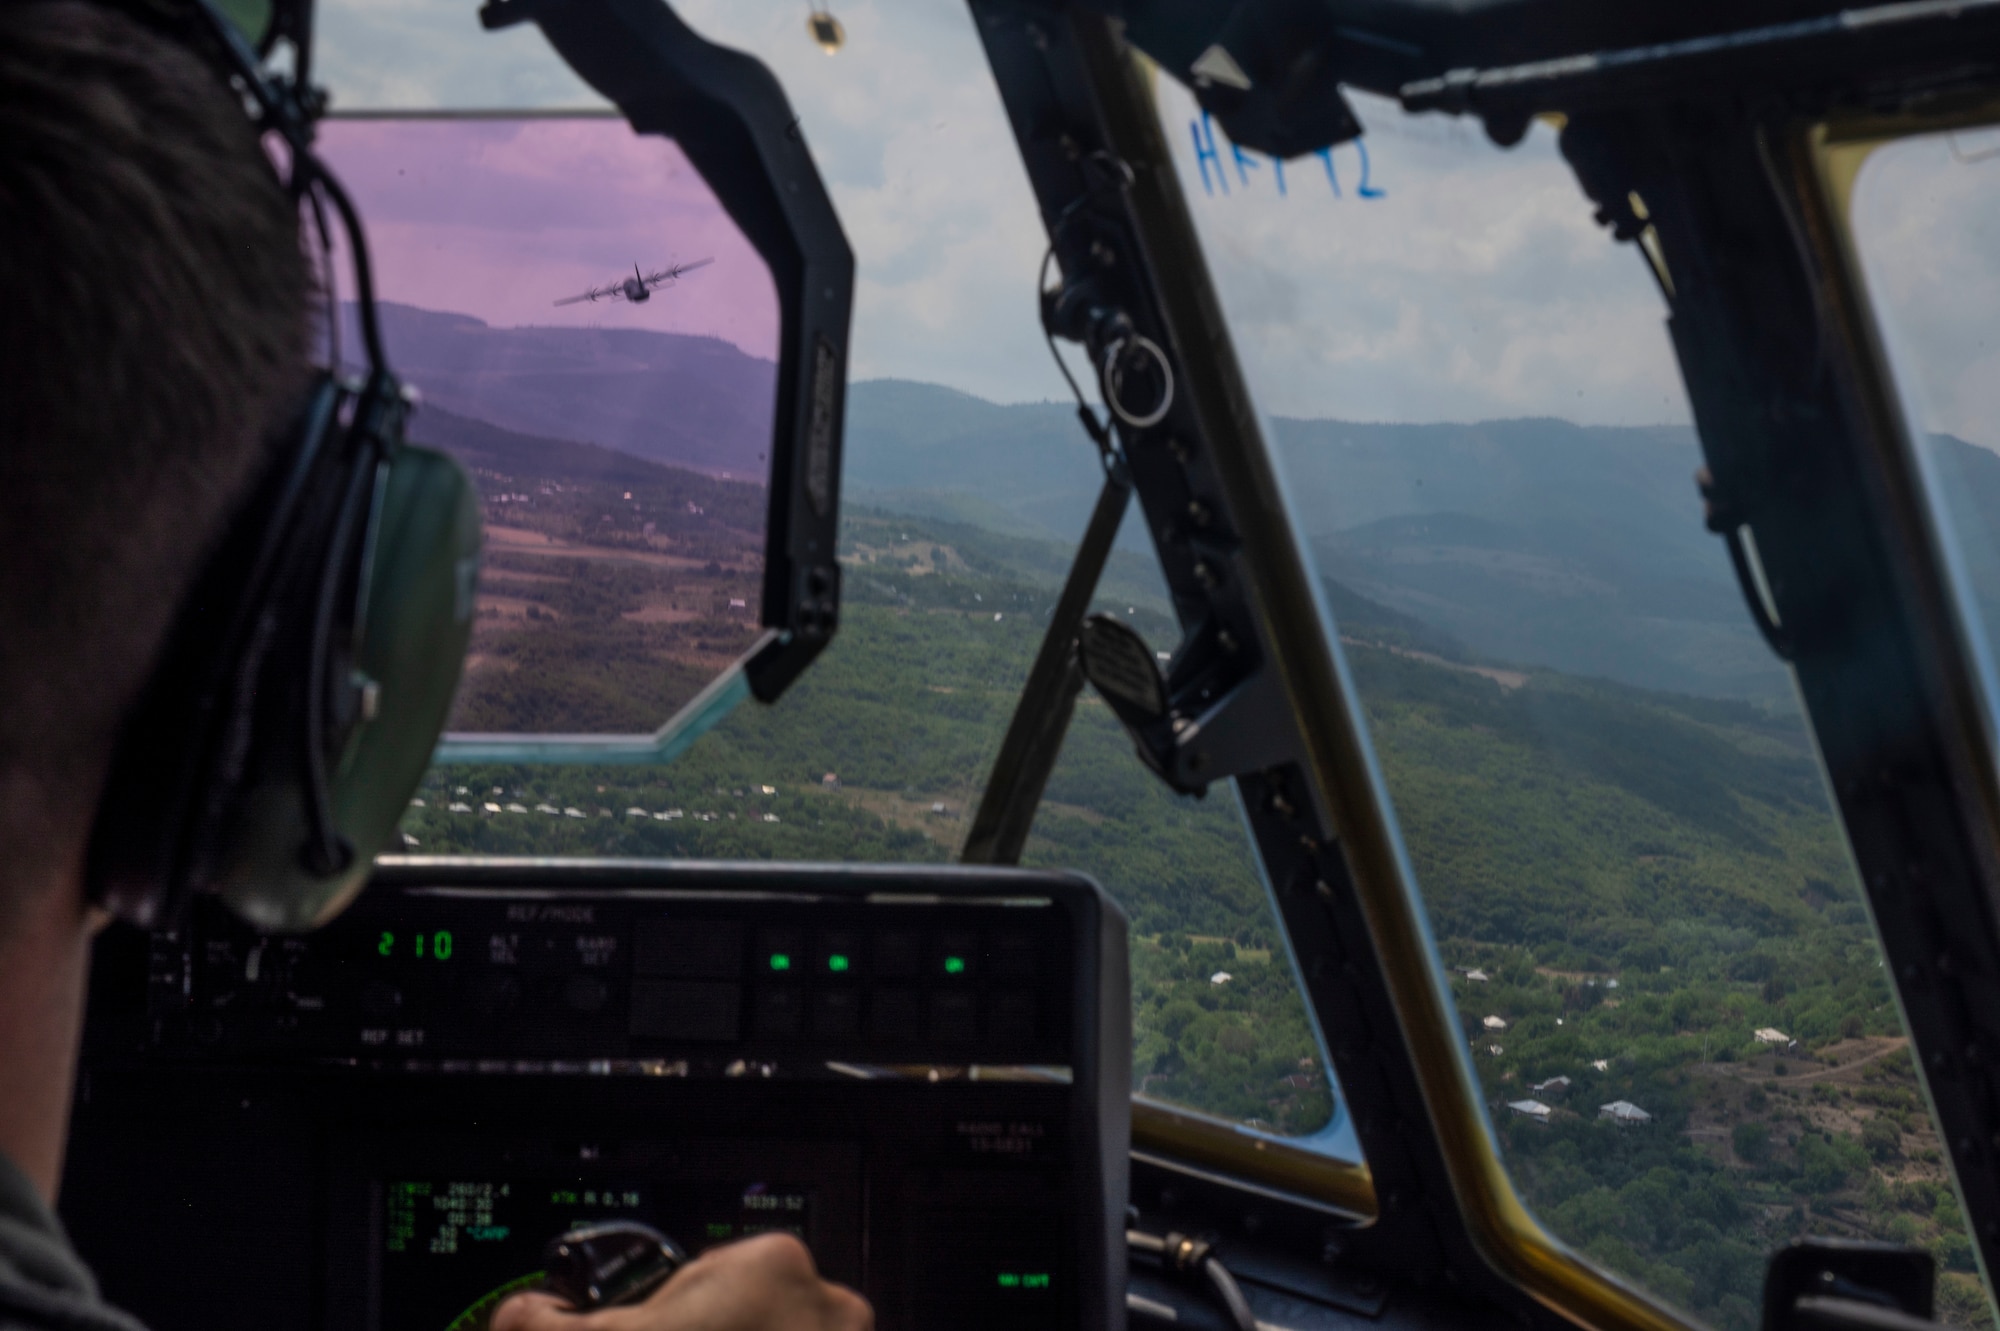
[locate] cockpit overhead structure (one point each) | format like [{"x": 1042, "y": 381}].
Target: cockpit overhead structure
[{"x": 637, "y": 289}]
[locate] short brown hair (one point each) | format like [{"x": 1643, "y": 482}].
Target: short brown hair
[{"x": 154, "y": 301}]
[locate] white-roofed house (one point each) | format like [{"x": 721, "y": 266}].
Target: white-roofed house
[
  {"x": 1772, "y": 1035},
  {"x": 1553, "y": 1086},
  {"x": 1495, "y": 1023},
  {"x": 1624, "y": 1113},
  {"x": 1533, "y": 1109}
]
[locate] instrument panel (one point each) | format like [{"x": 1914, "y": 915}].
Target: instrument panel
[{"x": 920, "y": 1072}]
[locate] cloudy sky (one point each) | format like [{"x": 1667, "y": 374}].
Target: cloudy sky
[
  {"x": 1473, "y": 285},
  {"x": 499, "y": 219},
  {"x": 1927, "y": 227}
]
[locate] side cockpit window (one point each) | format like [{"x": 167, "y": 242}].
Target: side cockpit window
[{"x": 1665, "y": 974}]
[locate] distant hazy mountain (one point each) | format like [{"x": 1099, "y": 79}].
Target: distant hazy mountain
[
  {"x": 491, "y": 448},
  {"x": 686, "y": 401},
  {"x": 1532, "y": 541},
  {"x": 937, "y": 452},
  {"x": 1536, "y": 541},
  {"x": 681, "y": 501}
]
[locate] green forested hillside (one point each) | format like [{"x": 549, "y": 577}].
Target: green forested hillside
[
  {"x": 1633, "y": 885},
  {"x": 1642, "y": 880}
]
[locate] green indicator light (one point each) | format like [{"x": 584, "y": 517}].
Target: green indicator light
[
  {"x": 1008, "y": 1280},
  {"x": 781, "y": 961},
  {"x": 1035, "y": 1280},
  {"x": 836, "y": 962},
  {"x": 954, "y": 965},
  {"x": 441, "y": 945},
  {"x": 388, "y": 941}
]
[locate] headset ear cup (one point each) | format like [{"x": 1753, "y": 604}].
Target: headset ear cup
[
  {"x": 184, "y": 737},
  {"x": 422, "y": 583}
]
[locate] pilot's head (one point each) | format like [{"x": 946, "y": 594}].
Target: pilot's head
[{"x": 154, "y": 305}]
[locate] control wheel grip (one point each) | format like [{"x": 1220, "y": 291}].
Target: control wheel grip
[{"x": 601, "y": 1266}]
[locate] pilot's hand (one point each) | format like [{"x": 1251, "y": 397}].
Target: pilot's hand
[{"x": 766, "y": 1283}]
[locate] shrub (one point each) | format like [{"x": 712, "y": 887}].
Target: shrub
[
  {"x": 1882, "y": 1137},
  {"x": 1953, "y": 1250},
  {"x": 1824, "y": 1165},
  {"x": 1752, "y": 1140}
]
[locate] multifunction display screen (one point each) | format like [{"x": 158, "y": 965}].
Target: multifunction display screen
[{"x": 453, "y": 1249}]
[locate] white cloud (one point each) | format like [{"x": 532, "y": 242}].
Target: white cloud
[
  {"x": 1474, "y": 285},
  {"x": 1477, "y": 286},
  {"x": 1927, "y": 228}
]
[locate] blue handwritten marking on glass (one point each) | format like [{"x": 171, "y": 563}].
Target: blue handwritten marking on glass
[
  {"x": 1366, "y": 190},
  {"x": 1244, "y": 161},
  {"x": 1204, "y": 153},
  {"x": 1207, "y": 152}
]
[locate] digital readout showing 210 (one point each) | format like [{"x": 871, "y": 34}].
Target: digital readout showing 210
[{"x": 434, "y": 946}]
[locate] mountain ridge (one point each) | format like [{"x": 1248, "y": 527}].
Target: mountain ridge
[
  {"x": 1529, "y": 542},
  {"x": 688, "y": 401}
]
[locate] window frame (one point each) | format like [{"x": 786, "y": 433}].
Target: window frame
[{"x": 1313, "y": 796}]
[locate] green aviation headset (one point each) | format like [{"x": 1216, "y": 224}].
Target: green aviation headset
[{"x": 306, "y": 678}]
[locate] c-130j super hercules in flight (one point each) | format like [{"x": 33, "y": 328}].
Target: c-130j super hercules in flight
[{"x": 637, "y": 289}]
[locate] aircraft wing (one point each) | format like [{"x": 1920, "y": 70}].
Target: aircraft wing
[
  {"x": 677, "y": 270},
  {"x": 595, "y": 293}
]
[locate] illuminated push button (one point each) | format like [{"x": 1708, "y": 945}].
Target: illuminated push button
[
  {"x": 780, "y": 952},
  {"x": 780, "y": 1011},
  {"x": 957, "y": 956},
  {"x": 896, "y": 1016},
  {"x": 839, "y": 955},
  {"x": 899, "y": 955},
  {"x": 836, "y": 1014},
  {"x": 954, "y": 1019}
]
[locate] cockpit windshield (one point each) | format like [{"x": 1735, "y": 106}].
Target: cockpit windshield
[{"x": 967, "y": 484}]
